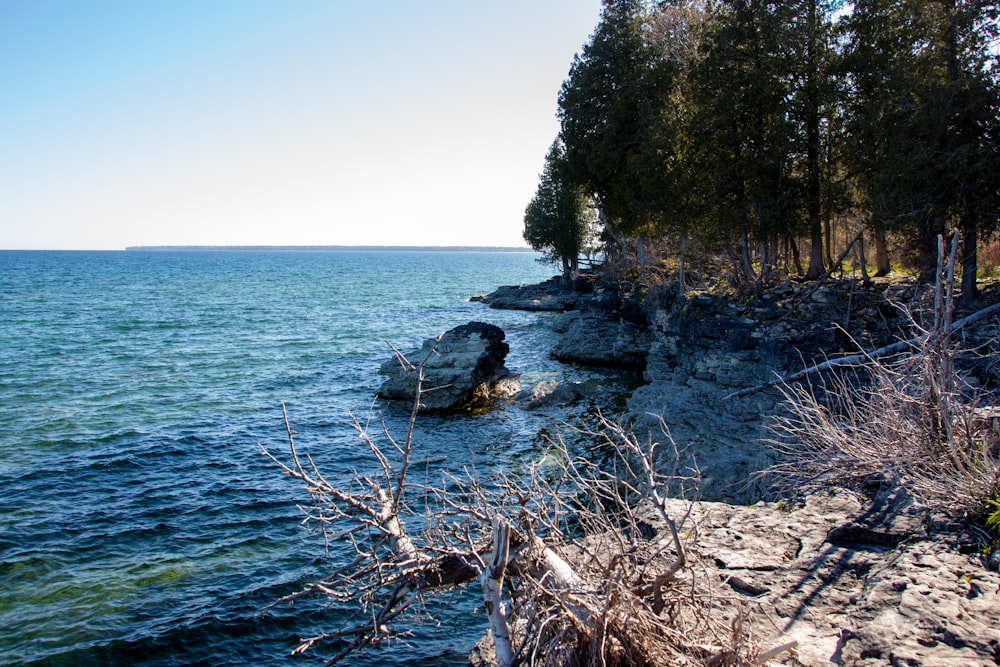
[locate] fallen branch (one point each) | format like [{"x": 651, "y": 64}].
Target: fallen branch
[
  {"x": 492, "y": 582},
  {"x": 569, "y": 572},
  {"x": 865, "y": 357}
]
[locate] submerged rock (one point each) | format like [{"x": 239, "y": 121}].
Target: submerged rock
[
  {"x": 462, "y": 369},
  {"x": 550, "y": 392}
]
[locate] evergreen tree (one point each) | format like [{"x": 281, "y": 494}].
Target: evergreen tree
[
  {"x": 610, "y": 109},
  {"x": 742, "y": 135},
  {"x": 923, "y": 121},
  {"x": 557, "y": 221},
  {"x": 814, "y": 103}
]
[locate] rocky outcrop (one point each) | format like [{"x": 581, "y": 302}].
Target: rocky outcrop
[
  {"x": 706, "y": 347},
  {"x": 594, "y": 338},
  {"x": 854, "y": 580},
  {"x": 462, "y": 369},
  {"x": 552, "y": 295},
  {"x": 602, "y": 324},
  {"x": 695, "y": 351}
]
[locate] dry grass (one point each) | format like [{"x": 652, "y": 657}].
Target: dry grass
[{"x": 913, "y": 420}]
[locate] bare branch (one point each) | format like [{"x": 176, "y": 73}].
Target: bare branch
[
  {"x": 571, "y": 544},
  {"x": 910, "y": 344},
  {"x": 912, "y": 421}
]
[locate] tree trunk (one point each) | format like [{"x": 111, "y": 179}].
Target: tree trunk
[
  {"x": 862, "y": 259},
  {"x": 680, "y": 267},
  {"x": 816, "y": 267},
  {"x": 928, "y": 248},
  {"x": 882, "y": 267},
  {"x": 827, "y": 240},
  {"x": 970, "y": 263},
  {"x": 796, "y": 260},
  {"x": 745, "y": 263},
  {"x": 813, "y": 193}
]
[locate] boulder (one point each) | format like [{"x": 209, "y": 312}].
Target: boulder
[
  {"x": 549, "y": 392},
  {"x": 463, "y": 369}
]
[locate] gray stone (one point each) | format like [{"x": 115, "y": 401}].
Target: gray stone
[
  {"x": 855, "y": 581},
  {"x": 550, "y": 392},
  {"x": 590, "y": 337},
  {"x": 551, "y": 295},
  {"x": 462, "y": 370}
]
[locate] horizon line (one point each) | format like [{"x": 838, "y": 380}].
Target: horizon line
[{"x": 329, "y": 247}]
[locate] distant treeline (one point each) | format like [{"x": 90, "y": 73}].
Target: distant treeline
[{"x": 322, "y": 248}]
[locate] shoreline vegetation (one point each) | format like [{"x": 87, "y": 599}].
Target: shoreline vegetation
[{"x": 679, "y": 552}]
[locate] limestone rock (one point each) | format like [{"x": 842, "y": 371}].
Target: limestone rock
[
  {"x": 551, "y": 295},
  {"x": 550, "y": 392},
  {"x": 463, "y": 370},
  {"x": 855, "y": 580},
  {"x": 707, "y": 346},
  {"x": 590, "y": 337}
]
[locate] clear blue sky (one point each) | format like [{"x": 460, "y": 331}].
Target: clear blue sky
[{"x": 284, "y": 122}]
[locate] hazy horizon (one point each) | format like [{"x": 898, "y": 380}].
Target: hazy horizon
[
  {"x": 303, "y": 248},
  {"x": 249, "y": 122}
]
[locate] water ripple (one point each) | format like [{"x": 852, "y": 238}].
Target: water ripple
[{"x": 139, "y": 523}]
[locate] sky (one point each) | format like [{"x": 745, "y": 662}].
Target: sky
[{"x": 277, "y": 122}]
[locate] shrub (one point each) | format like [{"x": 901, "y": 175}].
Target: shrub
[{"x": 912, "y": 419}]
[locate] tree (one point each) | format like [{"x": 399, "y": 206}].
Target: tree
[
  {"x": 610, "y": 109},
  {"x": 557, "y": 222},
  {"x": 966, "y": 33},
  {"x": 923, "y": 121},
  {"x": 742, "y": 134},
  {"x": 814, "y": 101}
]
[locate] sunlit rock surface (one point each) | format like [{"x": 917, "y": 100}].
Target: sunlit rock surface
[{"x": 462, "y": 370}]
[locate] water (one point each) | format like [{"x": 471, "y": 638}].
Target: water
[{"x": 139, "y": 523}]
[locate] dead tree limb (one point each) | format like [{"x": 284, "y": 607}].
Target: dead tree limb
[
  {"x": 570, "y": 570},
  {"x": 865, "y": 357},
  {"x": 492, "y": 583}
]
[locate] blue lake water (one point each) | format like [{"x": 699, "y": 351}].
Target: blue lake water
[{"x": 139, "y": 522}]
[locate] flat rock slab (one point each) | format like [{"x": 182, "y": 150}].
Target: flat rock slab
[
  {"x": 855, "y": 581},
  {"x": 551, "y": 295}
]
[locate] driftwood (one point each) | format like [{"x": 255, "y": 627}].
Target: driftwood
[
  {"x": 492, "y": 582},
  {"x": 587, "y": 578}
]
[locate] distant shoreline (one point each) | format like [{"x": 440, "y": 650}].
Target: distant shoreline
[{"x": 315, "y": 248}]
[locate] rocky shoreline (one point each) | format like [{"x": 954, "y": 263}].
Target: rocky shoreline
[{"x": 855, "y": 578}]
